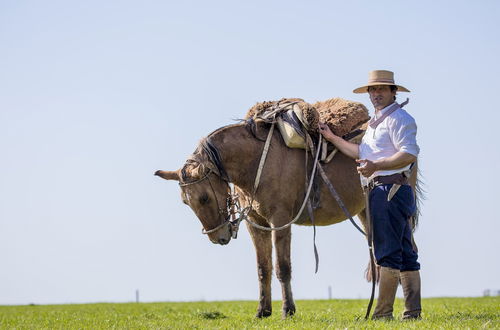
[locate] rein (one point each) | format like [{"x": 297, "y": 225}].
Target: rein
[
  {"x": 221, "y": 212},
  {"x": 196, "y": 181}
]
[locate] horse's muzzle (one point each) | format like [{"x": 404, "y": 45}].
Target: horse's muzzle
[{"x": 224, "y": 241}]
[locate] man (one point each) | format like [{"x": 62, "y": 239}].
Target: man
[{"x": 387, "y": 151}]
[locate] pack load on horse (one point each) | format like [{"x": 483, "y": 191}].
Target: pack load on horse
[{"x": 247, "y": 172}]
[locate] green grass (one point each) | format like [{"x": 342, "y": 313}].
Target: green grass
[{"x": 439, "y": 313}]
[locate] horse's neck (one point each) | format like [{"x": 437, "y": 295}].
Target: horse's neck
[{"x": 240, "y": 151}]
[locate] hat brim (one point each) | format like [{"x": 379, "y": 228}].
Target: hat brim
[{"x": 364, "y": 89}]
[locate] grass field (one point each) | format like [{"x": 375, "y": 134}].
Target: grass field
[{"x": 439, "y": 313}]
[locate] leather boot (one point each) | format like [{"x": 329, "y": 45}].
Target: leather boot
[
  {"x": 410, "y": 281},
  {"x": 389, "y": 280}
]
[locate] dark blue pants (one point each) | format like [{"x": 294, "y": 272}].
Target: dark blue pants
[{"x": 391, "y": 229}]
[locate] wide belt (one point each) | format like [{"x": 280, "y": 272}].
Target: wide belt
[{"x": 397, "y": 178}]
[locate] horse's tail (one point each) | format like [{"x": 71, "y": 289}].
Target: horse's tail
[
  {"x": 419, "y": 192},
  {"x": 369, "y": 276}
]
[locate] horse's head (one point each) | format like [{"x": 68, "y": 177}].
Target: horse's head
[{"x": 207, "y": 193}]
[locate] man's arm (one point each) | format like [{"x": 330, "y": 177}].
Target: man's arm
[
  {"x": 399, "y": 160},
  {"x": 347, "y": 148}
]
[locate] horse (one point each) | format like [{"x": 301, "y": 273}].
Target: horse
[{"x": 232, "y": 154}]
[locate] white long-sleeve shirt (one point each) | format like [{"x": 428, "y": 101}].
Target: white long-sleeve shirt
[{"x": 397, "y": 132}]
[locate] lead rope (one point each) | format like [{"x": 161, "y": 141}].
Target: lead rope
[
  {"x": 335, "y": 195},
  {"x": 309, "y": 204},
  {"x": 316, "y": 254},
  {"x": 369, "y": 237}
]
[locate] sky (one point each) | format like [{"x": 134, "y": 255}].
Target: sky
[{"x": 97, "y": 95}]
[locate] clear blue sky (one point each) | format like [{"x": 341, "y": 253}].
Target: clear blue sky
[{"x": 97, "y": 95}]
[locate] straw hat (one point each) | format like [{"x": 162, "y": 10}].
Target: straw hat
[{"x": 380, "y": 77}]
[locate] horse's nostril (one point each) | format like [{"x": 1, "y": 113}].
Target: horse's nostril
[{"x": 223, "y": 241}]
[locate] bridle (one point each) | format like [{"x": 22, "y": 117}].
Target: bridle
[
  {"x": 232, "y": 205},
  {"x": 234, "y": 213}
]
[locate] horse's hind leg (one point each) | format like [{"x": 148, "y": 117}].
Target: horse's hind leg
[
  {"x": 282, "y": 241},
  {"x": 263, "y": 249}
]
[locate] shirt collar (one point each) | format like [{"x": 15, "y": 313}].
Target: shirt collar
[{"x": 381, "y": 112}]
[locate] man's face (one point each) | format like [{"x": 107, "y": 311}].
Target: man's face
[{"x": 381, "y": 96}]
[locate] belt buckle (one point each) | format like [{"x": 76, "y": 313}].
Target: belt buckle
[{"x": 369, "y": 186}]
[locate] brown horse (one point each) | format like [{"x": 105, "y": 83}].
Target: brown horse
[{"x": 232, "y": 154}]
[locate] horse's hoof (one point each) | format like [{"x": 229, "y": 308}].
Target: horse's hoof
[
  {"x": 263, "y": 313},
  {"x": 288, "y": 312}
]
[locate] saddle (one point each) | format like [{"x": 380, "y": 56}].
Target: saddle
[{"x": 294, "y": 117}]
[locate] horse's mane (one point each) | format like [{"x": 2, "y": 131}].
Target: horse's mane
[
  {"x": 214, "y": 157},
  {"x": 207, "y": 154}
]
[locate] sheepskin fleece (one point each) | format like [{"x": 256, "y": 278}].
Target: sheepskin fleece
[
  {"x": 262, "y": 107},
  {"x": 342, "y": 116}
]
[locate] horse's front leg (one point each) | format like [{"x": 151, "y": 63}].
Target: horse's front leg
[
  {"x": 263, "y": 249},
  {"x": 282, "y": 240}
]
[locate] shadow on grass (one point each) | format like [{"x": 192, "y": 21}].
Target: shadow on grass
[{"x": 211, "y": 315}]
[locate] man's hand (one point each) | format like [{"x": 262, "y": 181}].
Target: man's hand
[
  {"x": 326, "y": 131},
  {"x": 366, "y": 167},
  {"x": 397, "y": 161},
  {"x": 347, "y": 148}
]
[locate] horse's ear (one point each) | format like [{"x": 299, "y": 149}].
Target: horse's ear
[{"x": 168, "y": 175}]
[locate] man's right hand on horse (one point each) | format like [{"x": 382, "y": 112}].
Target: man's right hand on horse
[
  {"x": 348, "y": 148},
  {"x": 326, "y": 131}
]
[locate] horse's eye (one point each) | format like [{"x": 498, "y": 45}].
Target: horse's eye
[{"x": 204, "y": 199}]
